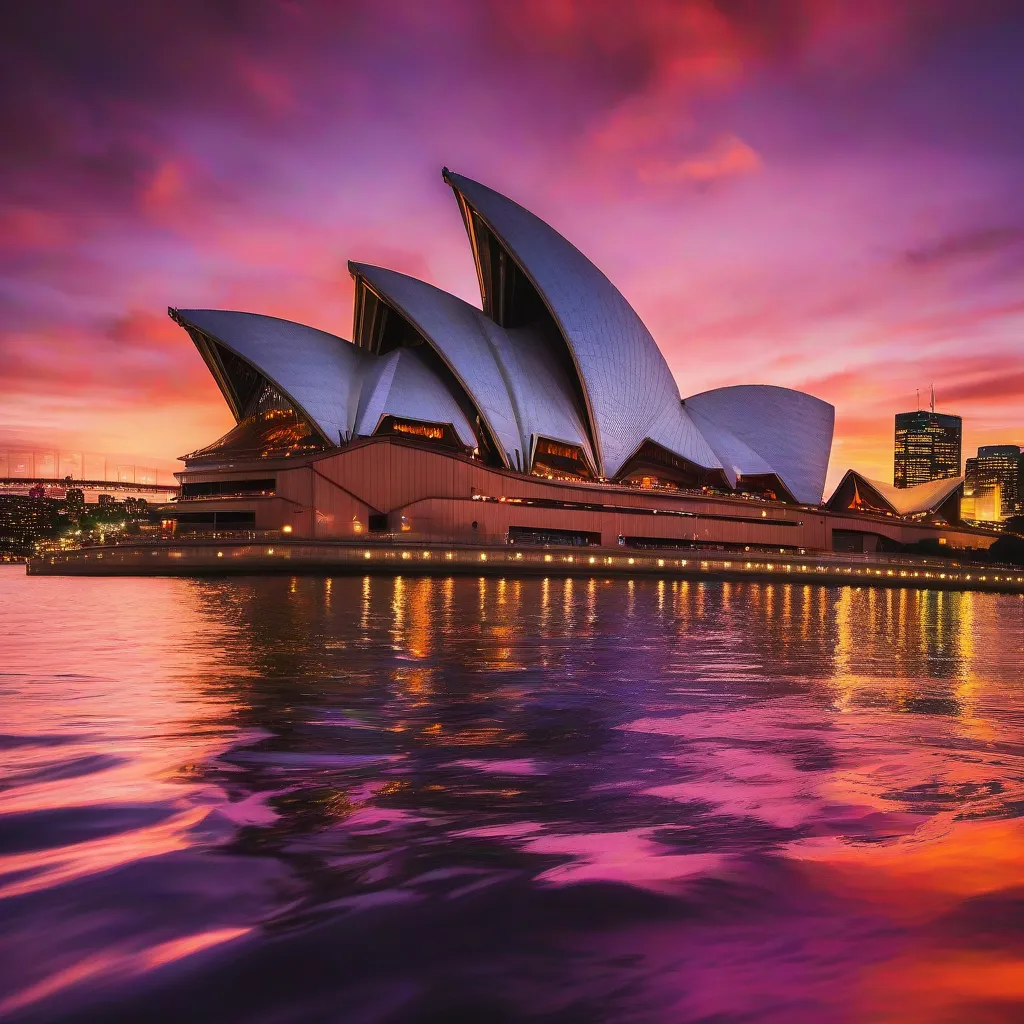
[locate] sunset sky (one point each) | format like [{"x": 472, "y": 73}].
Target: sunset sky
[{"x": 819, "y": 194}]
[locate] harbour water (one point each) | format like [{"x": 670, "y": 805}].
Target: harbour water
[{"x": 411, "y": 799}]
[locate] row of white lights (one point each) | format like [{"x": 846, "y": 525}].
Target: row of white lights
[
  {"x": 704, "y": 565},
  {"x": 752, "y": 566}
]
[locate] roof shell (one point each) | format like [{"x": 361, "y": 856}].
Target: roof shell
[
  {"x": 624, "y": 377},
  {"x": 677, "y": 431},
  {"x": 403, "y": 385},
  {"x": 319, "y": 372},
  {"x": 541, "y": 393},
  {"x": 458, "y": 332},
  {"x": 759, "y": 428},
  {"x": 908, "y": 501},
  {"x": 519, "y": 390},
  {"x": 374, "y": 395}
]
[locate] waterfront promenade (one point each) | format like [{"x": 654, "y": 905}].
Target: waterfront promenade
[{"x": 233, "y": 556}]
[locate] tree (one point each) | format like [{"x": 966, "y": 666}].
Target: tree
[
  {"x": 1009, "y": 549},
  {"x": 1014, "y": 524}
]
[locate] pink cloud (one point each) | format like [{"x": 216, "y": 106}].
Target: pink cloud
[
  {"x": 727, "y": 157},
  {"x": 26, "y": 229},
  {"x": 165, "y": 186},
  {"x": 242, "y": 166}
]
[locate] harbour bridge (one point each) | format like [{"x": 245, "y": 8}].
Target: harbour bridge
[{"x": 53, "y": 469}]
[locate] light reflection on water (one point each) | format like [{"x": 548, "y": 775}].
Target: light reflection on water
[{"x": 393, "y": 799}]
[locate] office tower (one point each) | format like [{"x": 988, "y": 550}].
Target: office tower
[
  {"x": 993, "y": 484},
  {"x": 25, "y": 519},
  {"x": 927, "y": 446},
  {"x": 74, "y": 502},
  {"x": 135, "y": 507}
]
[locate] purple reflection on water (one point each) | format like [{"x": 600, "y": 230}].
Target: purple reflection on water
[{"x": 270, "y": 799}]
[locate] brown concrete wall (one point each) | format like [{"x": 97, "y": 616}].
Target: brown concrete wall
[
  {"x": 453, "y": 517},
  {"x": 339, "y": 514},
  {"x": 908, "y": 533},
  {"x": 333, "y": 497},
  {"x": 271, "y": 513}
]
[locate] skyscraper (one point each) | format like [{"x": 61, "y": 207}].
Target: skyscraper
[
  {"x": 994, "y": 485},
  {"x": 927, "y": 446},
  {"x": 25, "y": 519},
  {"x": 74, "y": 502}
]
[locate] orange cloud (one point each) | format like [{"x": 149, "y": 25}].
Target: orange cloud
[{"x": 727, "y": 157}]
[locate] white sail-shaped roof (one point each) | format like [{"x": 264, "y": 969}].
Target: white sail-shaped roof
[
  {"x": 903, "y": 501},
  {"x": 737, "y": 459},
  {"x": 556, "y": 352},
  {"x": 676, "y": 431},
  {"x": 519, "y": 391},
  {"x": 541, "y": 392},
  {"x": 320, "y": 373},
  {"x": 458, "y": 332},
  {"x": 625, "y": 380},
  {"x": 758, "y": 428},
  {"x": 404, "y": 386},
  {"x": 376, "y": 389},
  {"x": 342, "y": 390},
  {"x": 921, "y": 497}
]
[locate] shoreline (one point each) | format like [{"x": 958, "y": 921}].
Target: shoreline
[{"x": 234, "y": 557}]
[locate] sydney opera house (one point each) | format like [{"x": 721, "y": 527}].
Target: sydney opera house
[{"x": 547, "y": 415}]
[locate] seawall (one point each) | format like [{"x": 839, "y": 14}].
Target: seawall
[{"x": 224, "y": 557}]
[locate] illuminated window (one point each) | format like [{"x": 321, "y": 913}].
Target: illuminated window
[
  {"x": 267, "y": 426},
  {"x": 441, "y": 434},
  {"x": 418, "y": 430},
  {"x": 556, "y": 459}
]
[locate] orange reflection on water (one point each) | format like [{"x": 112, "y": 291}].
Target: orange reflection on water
[
  {"x": 918, "y": 876},
  {"x": 123, "y": 691},
  {"x": 123, "y": 964},
  {"x": 925, "y": 883}
]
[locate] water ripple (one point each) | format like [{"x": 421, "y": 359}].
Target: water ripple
[{"x": 427, "y": 799}]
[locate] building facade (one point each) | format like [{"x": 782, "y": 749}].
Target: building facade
[
  {"x": 993, "y": 483},
  {"x": 553, "y": 377},
  {"x": 24, "y": 520},
  {"x": 74, "y": 502},
  {"x": 398, "y": 489},
  {"x": 547, "y": 415},
  {"x": 927, "y": 447}
]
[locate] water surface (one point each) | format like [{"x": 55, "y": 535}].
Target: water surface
[{"x": 373, "y": 799}]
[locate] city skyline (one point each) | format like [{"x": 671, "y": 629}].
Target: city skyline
[{"x": 827, "y": 198}]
